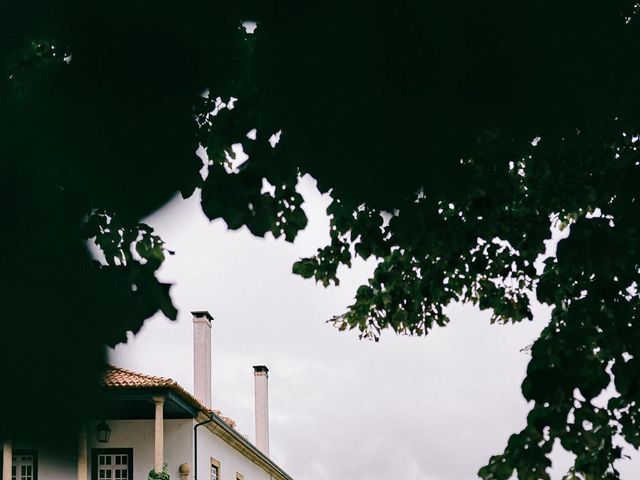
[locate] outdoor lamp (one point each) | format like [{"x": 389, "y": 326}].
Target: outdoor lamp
[{"x": 103, "y": 432}]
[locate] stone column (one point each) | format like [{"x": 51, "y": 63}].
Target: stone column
[
  {"x": 158, "y": 446},
  {"x": 82, "y": 455},
  {"x": 6, "y": 460}
]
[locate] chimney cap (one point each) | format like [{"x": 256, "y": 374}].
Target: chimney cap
[
  {"x": 260, "y": 368},
  {"x": 202, "y": 313}
]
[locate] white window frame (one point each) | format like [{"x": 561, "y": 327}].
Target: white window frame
[
  {"x": 213, "y": 463},
  {"x": 21, "y": 460},
  {"x": 117, "y": 463}
]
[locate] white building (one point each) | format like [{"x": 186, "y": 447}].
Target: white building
[{"x": 147, "y": 422}]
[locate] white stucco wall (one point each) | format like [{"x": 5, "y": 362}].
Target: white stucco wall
[
  {"x": 52, "y": 465},
  {"x": 231, "y": 461},
  {"x": 139, "y": 435}
]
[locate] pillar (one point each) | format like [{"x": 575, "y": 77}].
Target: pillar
[
  {"x": 82, "y": 455},
  {"x": 158, "y": 446},
  {"x": 6, "y": 460}
]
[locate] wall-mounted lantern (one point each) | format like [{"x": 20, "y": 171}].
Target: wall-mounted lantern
[{"x": 103, "y": 432}]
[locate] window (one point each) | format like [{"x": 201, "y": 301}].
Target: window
[
  {"x": 215, "y": 470},
  {"x": 112, "y": 464},
  {"x": 24, "y": 465}
]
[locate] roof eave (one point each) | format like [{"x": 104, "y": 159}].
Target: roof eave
[{"x": 272, "y": 467}]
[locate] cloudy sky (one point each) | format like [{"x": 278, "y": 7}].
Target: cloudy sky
[{"x": 431, "y": 408}]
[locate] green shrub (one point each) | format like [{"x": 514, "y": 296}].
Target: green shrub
[{"x": 164, "y": 475}]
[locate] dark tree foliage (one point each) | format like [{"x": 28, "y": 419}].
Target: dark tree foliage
[{"x": 452, "y": 135}]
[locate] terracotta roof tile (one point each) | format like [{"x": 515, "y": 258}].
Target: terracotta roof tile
[
  {"x": 118, "y": 377},
  {"x": 121, "y": 377}
]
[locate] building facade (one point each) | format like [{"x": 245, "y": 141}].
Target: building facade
[{"x": 149, "y": 423}]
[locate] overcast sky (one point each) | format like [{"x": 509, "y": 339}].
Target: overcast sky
[{"x": 430, "y": 408}]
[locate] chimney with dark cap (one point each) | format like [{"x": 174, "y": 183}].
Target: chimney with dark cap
[
  {"x": 202, "y": 356},
  {"x": 261, "y": 376}
]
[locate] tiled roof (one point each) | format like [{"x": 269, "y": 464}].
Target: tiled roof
[
  {"x": 118, "y": 377},
  {"x": 121, "y": 377}
]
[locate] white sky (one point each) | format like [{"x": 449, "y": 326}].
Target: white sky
[{"x": 430, "y": 408}]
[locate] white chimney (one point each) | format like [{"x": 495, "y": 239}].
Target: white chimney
[
  {"x": 261, "y": 376},
  {"x": 202, "y": 356}
]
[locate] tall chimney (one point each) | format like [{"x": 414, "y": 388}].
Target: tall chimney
[
  {"x": 261, "y": 377},
  {"x": 202, "y": 356}
]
